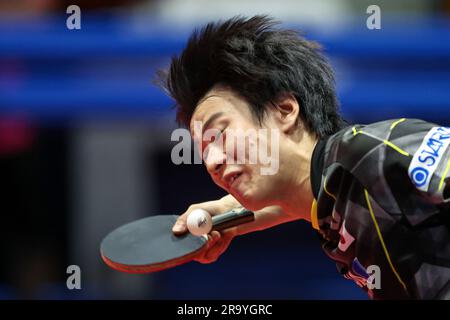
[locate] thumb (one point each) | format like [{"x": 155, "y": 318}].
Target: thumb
[{"x": 180, "y": 226}]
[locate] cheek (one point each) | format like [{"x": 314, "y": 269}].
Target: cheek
[
  {"x": 255, "y": 182},
  {"x": 251, "y": 152},
  {"x": 264, "y": 185},
  {"x": 253, "y": 142},
  {"x": 267, "y": 143}
]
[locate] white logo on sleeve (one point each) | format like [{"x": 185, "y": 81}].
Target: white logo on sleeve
[{"x": 427, "y": 157}]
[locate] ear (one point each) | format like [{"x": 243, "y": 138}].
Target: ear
[{"x": 286, "y": 111}]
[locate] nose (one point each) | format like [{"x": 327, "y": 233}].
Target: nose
[{"x": 215, "y": 158}]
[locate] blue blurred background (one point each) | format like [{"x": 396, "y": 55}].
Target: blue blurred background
[{"x": 85, "y": 137}]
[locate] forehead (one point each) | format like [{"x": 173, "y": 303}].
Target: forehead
[
  {"x": 210, "y": 105},
  {"x": 220, "y": 100}
]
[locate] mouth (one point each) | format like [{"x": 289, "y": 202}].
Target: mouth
[{"x": 231, "y": 178}]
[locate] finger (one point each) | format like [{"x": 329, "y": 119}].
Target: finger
[
  {"x": 180, "y": 225},
  {"x": 213, "y": 237},
  {"x": 219, "y": 247},
  {"x": 214, "y": 253},
  {"x": 229, "y": 232}
]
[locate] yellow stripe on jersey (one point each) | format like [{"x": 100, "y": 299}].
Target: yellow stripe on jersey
[
  {"x": 380, "y": 236},
  {"x": 397, "y": 122},
  {"x": 386, "y": 142},
  {"x": 314, "y": 219},
  {"x": 325, "y": 189},
  {"x": 441, "y": 183},
  {"x": 393, "y": 146}
]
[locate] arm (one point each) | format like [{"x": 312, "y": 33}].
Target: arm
[
  {"x": 218, "y": 242},
  {"x": 264, "y": 218}
]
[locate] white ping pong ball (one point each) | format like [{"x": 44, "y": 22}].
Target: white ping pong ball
[{"x": 199, "y": 222}]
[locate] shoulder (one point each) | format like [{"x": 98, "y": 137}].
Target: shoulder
[
  {"x": 357, "y": 141},
  {"x": 393, "y": 158}
]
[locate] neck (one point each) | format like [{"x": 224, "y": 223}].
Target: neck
[{"x": 298, "y": 198}]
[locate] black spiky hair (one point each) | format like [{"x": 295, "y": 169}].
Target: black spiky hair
[{"x": 258, "y": 61}]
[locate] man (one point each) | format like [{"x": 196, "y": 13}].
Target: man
[{"x": 378, "y": 194}]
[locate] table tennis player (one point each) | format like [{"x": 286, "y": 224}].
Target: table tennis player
[{"x": 378, "y": 194}]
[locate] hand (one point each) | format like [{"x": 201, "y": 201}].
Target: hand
[{"x": 218, "y": 242}]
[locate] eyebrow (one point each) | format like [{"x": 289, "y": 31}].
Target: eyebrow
[{"x": 211, "y": 119}]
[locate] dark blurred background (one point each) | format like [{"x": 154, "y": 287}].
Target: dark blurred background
[{"x": 85, "y": 137}]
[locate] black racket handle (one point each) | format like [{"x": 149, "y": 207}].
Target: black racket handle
[{"x": 232, "y": 218}]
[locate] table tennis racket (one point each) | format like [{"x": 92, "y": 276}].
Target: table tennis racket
[{"x": 149, "y": 245}]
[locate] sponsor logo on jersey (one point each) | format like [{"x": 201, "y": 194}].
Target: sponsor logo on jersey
[{"x": 427, "y": 158}]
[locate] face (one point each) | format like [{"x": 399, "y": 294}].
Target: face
[{"x": 215, "y": 127}]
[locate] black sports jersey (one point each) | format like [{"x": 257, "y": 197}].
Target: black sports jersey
[{"x": 382, "y": 206}]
